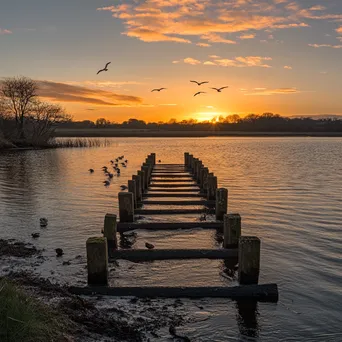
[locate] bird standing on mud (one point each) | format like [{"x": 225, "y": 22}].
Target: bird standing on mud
[{"x": 104, "y": 69}]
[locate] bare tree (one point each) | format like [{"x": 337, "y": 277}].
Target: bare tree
[
  {"x": 43, "y": 120},
  {"x": 18, "y": 94}
]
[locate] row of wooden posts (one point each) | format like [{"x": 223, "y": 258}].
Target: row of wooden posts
[{"x": 246, "y": 248}]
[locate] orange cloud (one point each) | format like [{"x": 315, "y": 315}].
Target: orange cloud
[
  {"x": 277, "y": 91},
  {"x": 72, "y": 93},
  {"x": 240, "y": 62},
  {"x": 326, "y": 45},
  {"x": 191, "y": 61},
  {"x": 247, "y": 36},
  {"x": 203, "y": 44},
  {"x": 3, "y": 31},
  {"x": 175, "y": 20}
]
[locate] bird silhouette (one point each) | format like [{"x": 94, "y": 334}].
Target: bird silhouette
[
  {"x": 199, "y": 83},
  {"x": 35, "y": 235},
  {"x": 104, "y": 69},
  {"x": 106, "y": 183},
  {"x": 199, "y": 92},
  {"x": 219, "y": 89},
  {"x": 157, "y": 89},
  {"x": 91, "y": 170},
  {"x": 110, "y": 175},
  {"x": 123, "y": 187},
  {"x": 59, "y": 252},
  {"x": 43, "y": 222}
]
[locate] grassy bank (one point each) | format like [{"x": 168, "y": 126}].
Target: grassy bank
[
  {"x": 113, "y": 132},
  {"x": 24, "y": 319}
]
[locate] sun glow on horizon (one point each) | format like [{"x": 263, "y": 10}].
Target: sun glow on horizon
[{"x": 209, "y": 116}]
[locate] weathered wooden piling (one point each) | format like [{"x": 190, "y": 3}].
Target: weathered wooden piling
[
  {"x": 109, "y": 229},
  {"x": 138, "y": 189},
  {"x": 203, "y": 178},
  {"x": 153, "y": 155},
  {"x": 193, "y": 161},
  {"x": 146, "y": 170},
  {"x": 221, "y": 206},
  {"x": 191, "y": 157},
  {"x": 211, "y": 186},
  {"x": 97, "y": 261},
  {"x": 249, "y": 259},
  {"x": 231, "y": 229},
  {"x": 199, "y": 165},
  {"x": 132, "y": 189},
  {"x": 141, "y": 174},
  {"x": 126, "y": 207},
  {"x": 186, "y": 159}
]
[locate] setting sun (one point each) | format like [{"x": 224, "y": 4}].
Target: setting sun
[{"x": 209, "y": 116}]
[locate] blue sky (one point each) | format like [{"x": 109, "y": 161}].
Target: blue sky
[{"x": 278, "y": 56}]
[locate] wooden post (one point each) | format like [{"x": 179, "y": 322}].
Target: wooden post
[
  {"x": 150, "y": 167},
  {"x": 211, "y": 186},
  {"x": 126, "y": 207},
  {"x": 153, "y": 155},
  {"x": 193, "y": 160},
  {"x": 138, "y": 189},
  {"x": 131, "y": 188},
  {"x": 191, "y": 157},
  {"x": 198, "y": 170},
  {"x": 194, "y": 168},
  {"x": 249, "y": 259},
  {"x": 231, "y": 229},
  {"x": 109, "y": 230},
  {"x": 186, "y": 158},
  {"x": 141, "y": 174},
  {"x": 97, "y": 261},
  {"x": 221, "y": 203},
  {"x": 203, "y": 178},
  {"x": 146, "y": 170}
]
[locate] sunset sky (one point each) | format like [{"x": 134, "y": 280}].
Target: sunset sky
[{"x": 279, "y": 56}]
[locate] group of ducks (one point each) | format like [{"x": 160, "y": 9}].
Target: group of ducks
[
  {"x": 115, "y": 164},
  {"x": 43, "y": 223},
  {"x": 219, "y": 90}
]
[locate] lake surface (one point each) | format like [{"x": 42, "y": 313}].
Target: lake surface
[{"x": 288, "y": 192}]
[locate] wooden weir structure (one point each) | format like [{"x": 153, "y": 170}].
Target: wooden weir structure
[{"x": 193, "y": 181}]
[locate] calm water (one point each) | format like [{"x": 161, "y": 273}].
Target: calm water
[{"x": 287, "y": 190}]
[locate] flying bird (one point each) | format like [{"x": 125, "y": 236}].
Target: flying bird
[
  {"x": 199, "y": 92},
  {"x": 157, "y": 89},
  {"x": 104, "y": 69},
  {"x": 219, "y": 89},
  {"x": 199, "y": 83},
  {"x": 123, "y": 187}
]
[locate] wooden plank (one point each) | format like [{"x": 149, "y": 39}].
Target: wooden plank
[
  {"x": 168, "y": 175},
  {"x": 152, "y": 191},
  {"x": 190, "y": 202},
  {"x": 126, "y": 227},
  {"x": 168, "y": 171},
  {"x": 151, "y": 195},
  {"x": 190, "y": 181},
  {"x": 173, "y": 254},
  {"x": 168, "y": 185},
  {"x": 172, "y": 211},
  {"x": 264, "y": 292}
]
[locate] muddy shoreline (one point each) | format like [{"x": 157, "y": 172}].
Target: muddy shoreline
[{"x": 91, "y": 318}]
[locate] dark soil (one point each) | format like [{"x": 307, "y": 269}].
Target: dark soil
[
  {"x": 17, "y": 249},
  {"x": 138, "y": 319}
]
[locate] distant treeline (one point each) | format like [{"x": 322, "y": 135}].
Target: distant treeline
[{"x": 267, "y": 122}]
